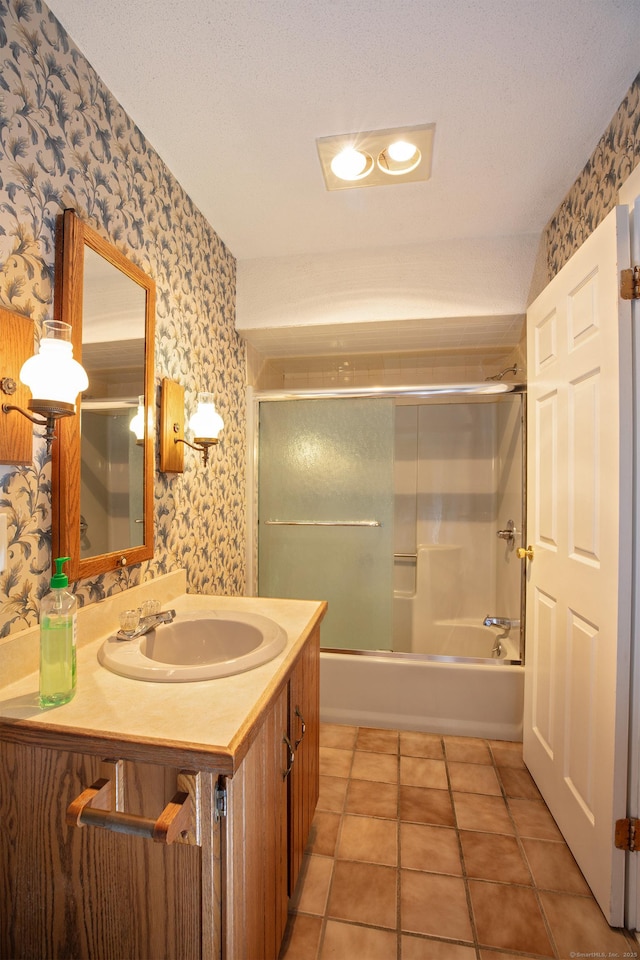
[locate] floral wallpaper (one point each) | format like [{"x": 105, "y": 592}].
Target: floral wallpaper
[
  {"x": 65, "y": 142},
  {"x": 595, "y": 191}
]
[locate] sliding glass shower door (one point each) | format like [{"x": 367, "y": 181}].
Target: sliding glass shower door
[{"x": 325, "y": 509}]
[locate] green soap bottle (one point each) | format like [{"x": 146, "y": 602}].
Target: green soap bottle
[{"x": 58, "y": 641}]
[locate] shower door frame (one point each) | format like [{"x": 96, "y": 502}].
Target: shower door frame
[{"x": 255, "y": 397}]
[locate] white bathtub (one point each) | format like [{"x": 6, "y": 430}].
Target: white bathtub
[{"x": 408, "y": 692}]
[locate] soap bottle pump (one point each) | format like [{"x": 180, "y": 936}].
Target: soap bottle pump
[{"x": 58, "y": 641}]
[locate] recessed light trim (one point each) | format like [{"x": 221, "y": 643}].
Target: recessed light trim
[
  {"x": 398, "y": 168},
  {"x": 402, "y": 155},
  {"x": 351, "y": 164},
  {"x": 402, "y": 151}
]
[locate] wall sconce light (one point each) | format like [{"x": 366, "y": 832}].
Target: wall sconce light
[
  {"x": 206, "y": 423},
  {"x": 137, "y": 423},
  {"x": 53, "y": 376}
]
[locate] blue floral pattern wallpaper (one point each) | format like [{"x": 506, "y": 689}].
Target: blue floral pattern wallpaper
[
  {"x": 66, "y": 142},
  {"x": 595, "y": 191}
]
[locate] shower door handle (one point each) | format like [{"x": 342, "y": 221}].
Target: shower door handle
[{"x": 322, "y": 523}]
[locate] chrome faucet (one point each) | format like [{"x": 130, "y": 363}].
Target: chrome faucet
[
  {"x": 503, "y": 622},
  {"x": 146, "y": 625}
]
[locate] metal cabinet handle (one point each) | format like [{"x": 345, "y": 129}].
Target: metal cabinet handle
[
  {"x": 93, "y": 807},
  {"x": 292, "y": 756},
  {"x": 304, "y": 727}
]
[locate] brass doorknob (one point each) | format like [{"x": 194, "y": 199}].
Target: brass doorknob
[{"x": 525, "y": 554}]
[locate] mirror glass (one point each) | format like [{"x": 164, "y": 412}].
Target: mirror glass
[
  {"x": 111, "y": 456},
  {"x": 103, "y": 464}
]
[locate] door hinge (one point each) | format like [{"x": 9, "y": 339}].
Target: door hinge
[
  {"x": 630, "y": 284},
  {"x": 220, "y": 800},
  {"x": 627, "y": 835}
]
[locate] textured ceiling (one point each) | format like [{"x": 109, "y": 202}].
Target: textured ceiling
[{"x": 234, "y": 93}]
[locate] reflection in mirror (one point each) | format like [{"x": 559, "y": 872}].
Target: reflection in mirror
[
  {"x": 103, "y": 471},
  {"x": 111, "y": 461}
]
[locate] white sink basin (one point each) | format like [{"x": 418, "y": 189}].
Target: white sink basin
[{"x": 196, "y": 646}]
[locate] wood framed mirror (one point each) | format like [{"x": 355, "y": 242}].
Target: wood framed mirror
[{"x": 102, "y": 472}]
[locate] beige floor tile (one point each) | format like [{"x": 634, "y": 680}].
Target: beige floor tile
[
  {"x": 301, "y": 938},
  {"x": 374, "y": 766},
  {"x": 532, "y": 819},
  {"x": 467, "y": 750},
  {"x": 431, "y": 849},
  {"x": 335, "y": 762},
  {"x": 369, "y": 839},
  {"x": 363, "y": 893},
  {"x": 421, "y": 772},
  {"x": 337, "y": 735},
  {"x": 507, "y": 753},
  {"x": 434, "y": 905},
  {"x": 509, "y": 917},
  {"x": 323, "y": 835},
  {"x": 578, "y": 926},
  {"x": 492, "y": 955},
  {"x": 518, "y": 783},
  {"x": 492, "y": 856},
  {"x": 333, "y": 791},
  {"x": 378, "y": 741},
  {"x": 346, "y": 940},
  {"x": 474, "y": 778},
  {"x": 312, "y": 888},
  {"x": 419, "y": 948},
  {"x": 413, "y": 744},
  {"x": 423, "y": 805},
  {"x": 372, "y": 799},
  {"x": 487, "y": 814},
  {"x": 554, "y": 868}
]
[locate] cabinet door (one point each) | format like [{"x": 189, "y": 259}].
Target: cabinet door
[
  {"x": 255, "y": 843},
  {"x": 304, "y": 727},
  {"x": 87, "y": 892}
]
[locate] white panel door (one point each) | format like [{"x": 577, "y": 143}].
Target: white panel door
[{"x": 579, "y": 582}]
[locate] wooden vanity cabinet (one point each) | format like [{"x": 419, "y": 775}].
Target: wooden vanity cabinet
[
  {"x": 69, "y": 891},
  {"x": 271, "y": 802},
  {"x": 304, "y": 727},
  {"x": 85, "y": 892}
]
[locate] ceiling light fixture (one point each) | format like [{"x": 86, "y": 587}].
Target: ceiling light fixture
[
  {"x": 403, "y": 153},
  {"x": 352, "y": 164},
  {"x": 404, "y": 161}
]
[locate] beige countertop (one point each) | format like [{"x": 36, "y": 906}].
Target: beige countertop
[{"x": 208, "y": 722}]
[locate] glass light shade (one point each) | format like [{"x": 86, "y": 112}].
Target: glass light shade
[
  {"x": 53, "y": 374},
  {"x": 401, "y": 151},
  {"x": 351, "y": 164},
  {"x": 206, "y": 423},
  {"x": 137, "y": 423}
]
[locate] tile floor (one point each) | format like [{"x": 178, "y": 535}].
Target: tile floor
[{"x": 437, "y": 848}]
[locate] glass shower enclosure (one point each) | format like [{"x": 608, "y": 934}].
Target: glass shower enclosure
[
  {"x": 398, "y": 511},
  {"x": 325, "y": 513}
]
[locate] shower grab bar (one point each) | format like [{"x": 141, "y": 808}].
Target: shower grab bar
[{"x": 323, "y": 523}]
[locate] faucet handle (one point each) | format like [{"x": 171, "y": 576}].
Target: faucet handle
[
  {"x": 129, "y": 620},
  {"x": 150, "y": 608}
]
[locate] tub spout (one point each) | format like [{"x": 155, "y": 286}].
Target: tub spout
[{"x": 503, "y": 622}]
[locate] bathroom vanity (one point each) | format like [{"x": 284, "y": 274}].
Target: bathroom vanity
[{"x": 159, "y": 819}]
